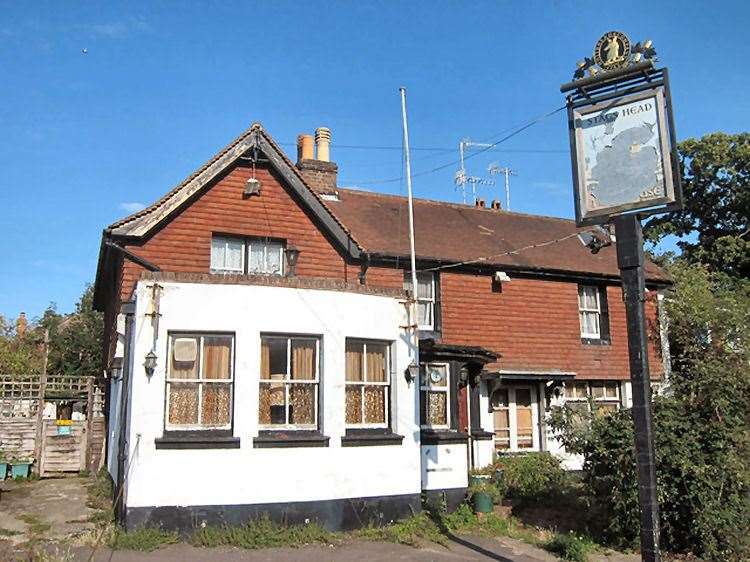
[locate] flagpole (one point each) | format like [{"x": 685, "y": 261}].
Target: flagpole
[{"x": 413, "y": 308}]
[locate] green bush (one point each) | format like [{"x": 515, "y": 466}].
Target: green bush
[
  {"x": 571, "y": 547},
  {"x": 701, "y": 431},
  {"x": 530, "y": 475}
]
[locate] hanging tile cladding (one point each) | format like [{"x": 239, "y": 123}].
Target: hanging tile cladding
[
  {"x": 534, "y": 325},
  {"x": 184, "y": 244}
]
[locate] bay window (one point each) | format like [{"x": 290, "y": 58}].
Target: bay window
[
  {"x": 247, "y": 255},
  {"x": 368, "y": 380},
  {"x": 435, "y": 396},
  {"x": 289, "y": 379},
  {"x": 199, "y": 381}
]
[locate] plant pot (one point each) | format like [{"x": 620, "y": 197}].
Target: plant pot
[
  {"x": 3, "y": 470},
  {"x": 482, "y": 502},
  {"x": 20, "y": 470}
]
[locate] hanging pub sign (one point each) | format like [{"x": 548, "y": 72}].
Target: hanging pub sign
[{"x": 622, "y": 140}]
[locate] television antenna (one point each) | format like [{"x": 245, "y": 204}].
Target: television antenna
[
  {"x": 495, "y": 169},
  {"x": 462, "y": 178}
]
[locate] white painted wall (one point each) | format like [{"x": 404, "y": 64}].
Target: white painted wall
[
  {"x": 445, "y": 466},
  {"x": 247, "y": 475}
]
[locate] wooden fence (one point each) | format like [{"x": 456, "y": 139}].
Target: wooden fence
[{"x": 56, "y": 446}]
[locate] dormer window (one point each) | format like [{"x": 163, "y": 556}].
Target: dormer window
[{"x": 247, "y": 255}]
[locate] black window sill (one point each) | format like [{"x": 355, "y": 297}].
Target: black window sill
[
  {"x": 443, "y": 436},
  {"x": 370, "y": 438},
  {"x": 288, "y": 439},
  {"x": 480, "y": 435},
  {"x": 220, "y": 439},
  {"x": 596, "y": 341}
]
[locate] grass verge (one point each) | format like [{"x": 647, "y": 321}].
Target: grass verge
[
  {"x": 263, "y": 533},
  {"x": 144, "y": 539},
  {"x": 99, "y": 498}
]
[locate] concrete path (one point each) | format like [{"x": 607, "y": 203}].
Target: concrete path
[{"x": 469, "y": 549}]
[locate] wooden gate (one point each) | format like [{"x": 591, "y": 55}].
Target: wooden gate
[{"x": 63, "y": 447}]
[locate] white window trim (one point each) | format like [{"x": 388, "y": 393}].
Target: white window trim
[
  {"x": 447, "y": 390},
  {"x": 264, "y": 244},
  {"x": 226, "y": 240},
  {"x": 364, "y": 384},
  {"x": 247, "y": 242},
  {"x": 598, "y": 311},
  {"x": 590, "y": 394},
  {"x": 200, "y": 381},
  {"x": 513, "y": 422},
  {"x": 287, "y": 381},
  {"x": 429, "y": 300}
]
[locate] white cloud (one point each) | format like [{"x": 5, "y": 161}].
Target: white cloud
[{"x": 132, "y": 207}]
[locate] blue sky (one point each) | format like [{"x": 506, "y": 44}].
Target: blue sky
[{"x": 88, "y": 136}]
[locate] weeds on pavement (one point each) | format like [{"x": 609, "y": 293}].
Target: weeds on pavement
[
  {"x": 145, "y": 539},
  {"x": 263, "y": 533}
]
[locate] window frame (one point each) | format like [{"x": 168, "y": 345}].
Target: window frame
[
  {"x": 431, "y": 301},
  {"x": 200, "y": 381},
  {"x": 589, "y": 399},
  {"x": 582, "y": 311},
  {"x": 287, "y": 382},
  {"x": 387, "y": 384},
  {"x": 247, "y": 243},
  {"x": 512, "y": 409},
  {"x": 429, "y": 388}
]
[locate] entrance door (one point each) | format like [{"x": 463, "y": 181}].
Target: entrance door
[{"x": 515, "y": 413}]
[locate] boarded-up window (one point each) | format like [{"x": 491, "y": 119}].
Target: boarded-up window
[{"x": 199, "y": 381}]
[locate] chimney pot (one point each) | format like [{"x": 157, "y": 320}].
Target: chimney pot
[
  {"x": 496, "y": 205},
  {"x": 305, "y": 147},
  {"x": 323, "y": 142},
  {"x": 479, "y": 203}
]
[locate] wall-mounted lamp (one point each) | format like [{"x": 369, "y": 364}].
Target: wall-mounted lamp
[
  {"x": 150, "y": 363},
  {"x": 252, "y": 187},
  {"x": 595, "y": 238},
  {"x": 292, "y": 255},
  {"x": 411, "y": 373}
]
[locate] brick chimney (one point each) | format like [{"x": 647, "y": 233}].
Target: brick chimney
[{"x": 320, "y": 174}]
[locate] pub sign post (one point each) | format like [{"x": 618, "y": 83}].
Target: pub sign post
[{"x": 625, "y": 166}]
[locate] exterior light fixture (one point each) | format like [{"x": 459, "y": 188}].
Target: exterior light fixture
[
  {"x": 411, "y": 373},
  {"x": 595, "y": 239},
  {"x": 150, "y": 363},
  {"x": 292, "y": 255},
  {"x": 252, "y": 187}
]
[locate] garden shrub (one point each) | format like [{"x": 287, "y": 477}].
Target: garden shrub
[
  {"x": 530, "y": 475},
  {"x": 701, "y": 431}
]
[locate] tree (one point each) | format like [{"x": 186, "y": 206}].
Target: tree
[
  {"x": 716, "y": 185},
  {"x": 20, "y": 353},
  {"x": 75, "y": 339},
  {"x": 701, "y": 428}
]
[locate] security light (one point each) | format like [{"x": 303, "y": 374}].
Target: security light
[
  {"x": 595, "y": 238},
  {"x": 252, "y": 187}
]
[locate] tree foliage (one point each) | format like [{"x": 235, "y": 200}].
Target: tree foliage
[
  {"x": 716, "y": 185},
  {"x": 75, "y": 342},
  {"x": 701, "y": 426}
]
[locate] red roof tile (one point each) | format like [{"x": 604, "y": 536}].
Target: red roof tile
[{"x": 457, "y": 233}]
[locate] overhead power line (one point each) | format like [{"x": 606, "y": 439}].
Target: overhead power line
[
  {"x": 502, "y": 254},
  {"x": 436, "y": 148},
  {"x": 452, "y": 163}
]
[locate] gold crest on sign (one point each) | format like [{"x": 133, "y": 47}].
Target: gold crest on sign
[{"x": 612, "y": 50}]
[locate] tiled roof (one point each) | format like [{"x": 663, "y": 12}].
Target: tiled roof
[{"x": 447, "y": 232}]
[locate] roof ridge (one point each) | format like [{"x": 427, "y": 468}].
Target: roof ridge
[
  {"x": 255, "y": 126},
  {"x": 461, "y": 206}
]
